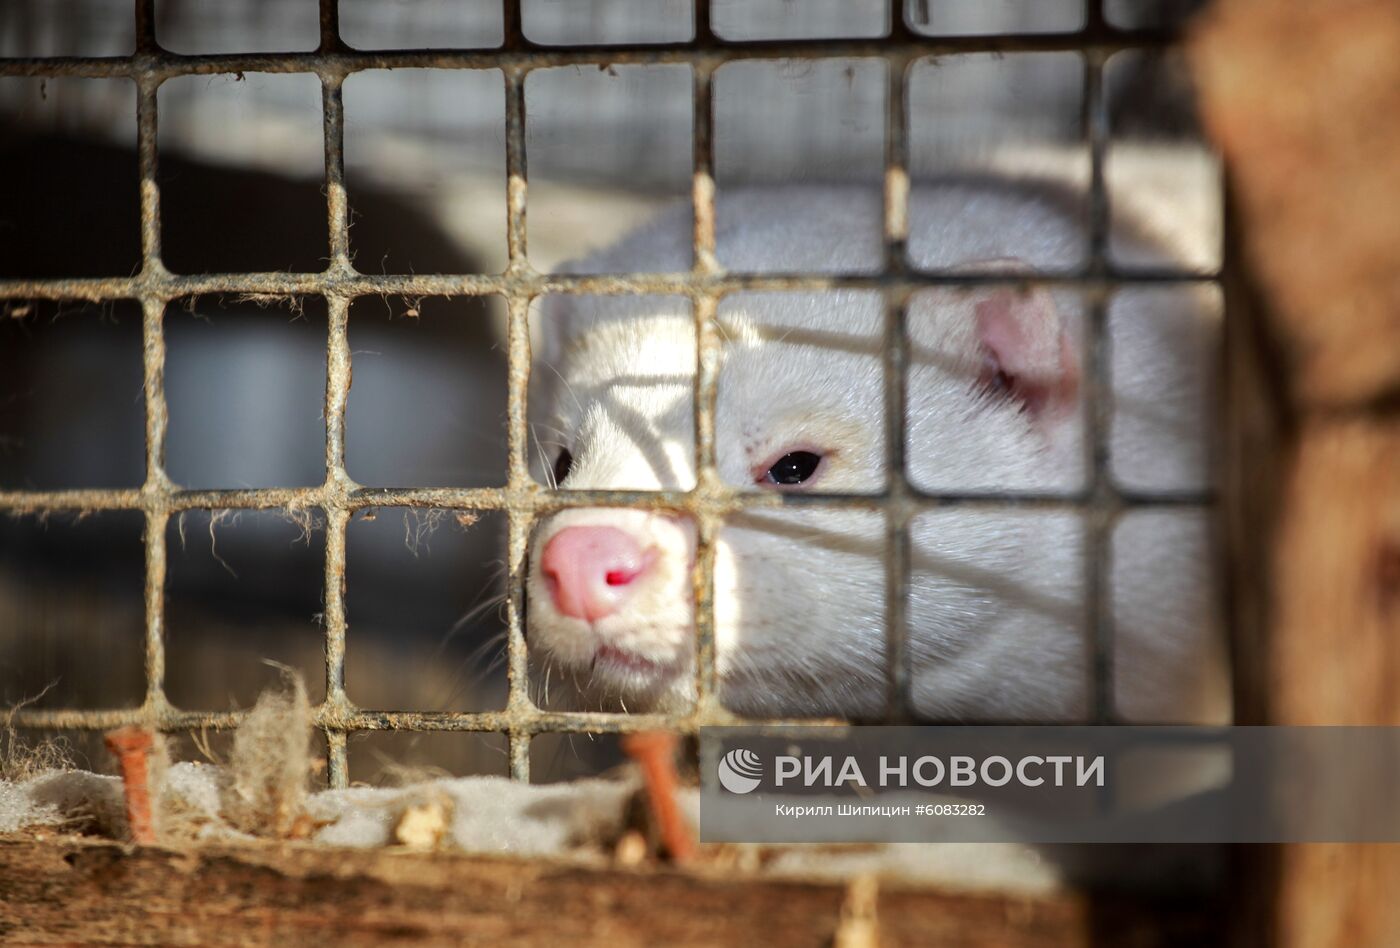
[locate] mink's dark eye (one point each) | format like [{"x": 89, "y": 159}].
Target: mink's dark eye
[
  {"x": 792, "y": 469},
  {"x": 563, "y": 464}
]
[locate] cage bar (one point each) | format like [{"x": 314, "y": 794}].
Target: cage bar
[
  {"x": 1102, "y": 504},
  {"x": 708, "y": 346},
  {"x": 519, "y": 521},
  {"x": 899, "y": 701},
  {"x": 522, "y": 54}
]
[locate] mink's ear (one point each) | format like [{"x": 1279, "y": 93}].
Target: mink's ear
[{"x": 1026, "y": 351}]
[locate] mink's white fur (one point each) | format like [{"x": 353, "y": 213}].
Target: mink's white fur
[{"x": 996, "y": 608}]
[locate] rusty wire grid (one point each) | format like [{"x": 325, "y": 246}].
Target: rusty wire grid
[{"x": 521, "y": 498}]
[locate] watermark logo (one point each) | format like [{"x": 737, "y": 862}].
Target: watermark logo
[{"x": 740, "y": 771}]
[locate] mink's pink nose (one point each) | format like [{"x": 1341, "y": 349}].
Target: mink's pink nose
[{"x": 590, "y": 570}]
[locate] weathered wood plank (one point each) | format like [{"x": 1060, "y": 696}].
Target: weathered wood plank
[
  {"x": 1336, "y": 658},
  {"x": 1337, "y": 616},
  {"x": 73, "y": 890},
  {"x": 1304, "y": 100}
]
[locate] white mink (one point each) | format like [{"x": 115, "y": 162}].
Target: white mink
[{"x": 996, "y": 613}]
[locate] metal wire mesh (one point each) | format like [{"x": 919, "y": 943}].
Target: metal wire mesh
[{"x": 338, "y": 497}]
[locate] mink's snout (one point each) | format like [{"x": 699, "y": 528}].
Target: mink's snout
[
  {"x": 590, "y": 571},
  {"x": 611, "y": 603}
]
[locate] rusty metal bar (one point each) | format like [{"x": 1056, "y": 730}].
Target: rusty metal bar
[
  {"x": 514, "y": 26},
  {"x": 1104, "y": 502},
  {"x": 702, "y": 192},
  {"x": 340, "y": 721},
  {"x": 338, "y": 484},
  {"x": 152, "y": 270},
  {"x": 337, "y": 202},
  {"x": 709, "y": 519},
  {"x": 899, "y": 698},
  {"x": 156, "y": 282},
  {"x": 330, "y": 26},
  {"x": 155, "y": 566},
  {"x": 154, "y": 496},
  {"x": 334, "y": 492},
  {"x": 337, "y": 757},
  {"x": 708, "y": 350},
  {"x": 706, "y": 51},
  {"x": 520, "y": 523},
  {"x": 516, "y": 179},
  {"x": 519, "y": 297},
  {"x": 535, "y": 500},
  {"x": 702, "y": 197},
  {"x": 146, "y": 27},
  {"x": 156, "y": 490},
  {"x": 519, "y": 708},
  {"x": 705, "y": 264},
  {"x": 335, "y": 628}
]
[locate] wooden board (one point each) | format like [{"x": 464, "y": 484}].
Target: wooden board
[
  {"x": 1302, "y": 97},
  {"x": 69, "y": 890},
  {"x": 1304, "y": 100}
]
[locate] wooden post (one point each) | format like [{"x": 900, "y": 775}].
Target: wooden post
[{"x": 1303, "y": 98}]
